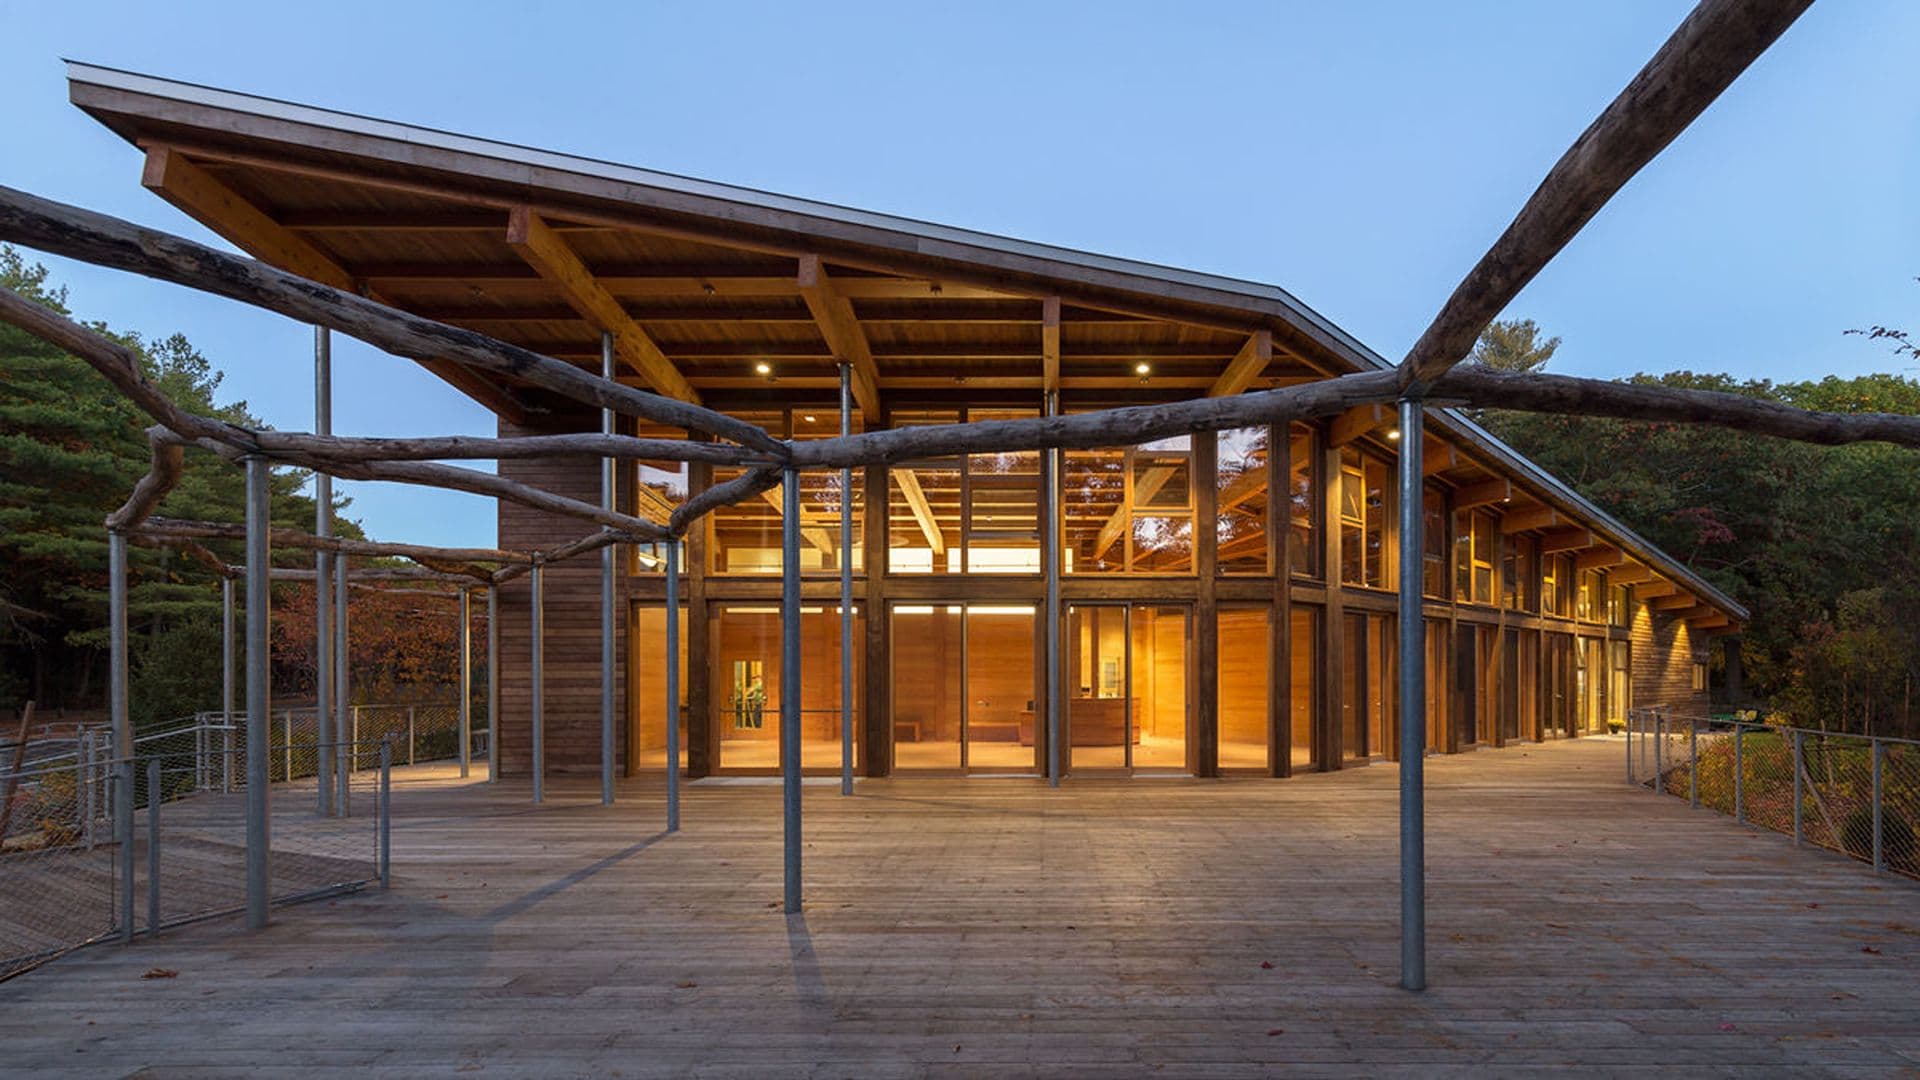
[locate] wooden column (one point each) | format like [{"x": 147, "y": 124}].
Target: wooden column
[
  {"x": 1333, "y": 623},
  {"x": 703, "y": 739},
  {"x": 1280, "y": 639},
  {"x": 1203, "y": 750},
  {"x": 876, "y": 708}
]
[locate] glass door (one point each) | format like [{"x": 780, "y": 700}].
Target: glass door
[
  {"x": 964, "y": 687},
  {"x": 1129, "y": 679}
]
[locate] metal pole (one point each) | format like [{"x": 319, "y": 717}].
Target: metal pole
[
  {"x": 1659, "y": 745},
  {"x": 538, "y": 647},
  {"x": 226, "y": 684},
  {"x": 153, "y": 845},
  {"x": 790, "y": 679},
  {"x": 1693, "y": 757},
  {"x": 123, "y": 804},
  {"x": 846, "y": 589},
  {"x": 1739, "y": 773},
  {"x": 466, "y": 682},
  {"x": 345, "y": 730},
  {"x": 286, "y": 743},
  {"x": 606, "y": 593},
  {"x": 673, "y": 685},
  {"x": 258, "y": 599},
  {"x": 386, "y": 814},
  {"x": 1413, "y": 692},
  {"x": 323, "y": 576},
  {"x": 1879, "y": 852},
  {"x": 493, "y": 683},
  {"x": 1798, "y": 750},
  {"x": 1050, "y": 511},
  {"x": 411, "y": 738},
  {"x": 1632, "y": 716}
]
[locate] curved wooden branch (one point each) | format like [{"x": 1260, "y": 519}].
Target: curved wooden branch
[
  {"x": 295, "y": 538},
  {"x": 456, "y": 447},
  {"x": 1710, "y": 48},
  {"x": 108, "y": 241},
  {"x": 740, "y": 488},
  {"x": 162, "y": 476},
  {"x": 192, "y": 550},
  {"x": 1569, "y": 395},
  {"x": 590, "y": 542}
]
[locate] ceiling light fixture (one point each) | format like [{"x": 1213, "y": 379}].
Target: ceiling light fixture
[
  {"x": 763, "y": 368},
  {"x": 1393, "y": 433},
  {"x": 1143, "y": 369},
  {"x": 811, "y": 419}
]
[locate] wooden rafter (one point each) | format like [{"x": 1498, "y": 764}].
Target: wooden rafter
[
  {"x": 1573, "y": 539},
  {"x": 201, "y": 196},
  {"x": 834, "y": 315},
  {"x": 1439, "y": 457},
  {"x": 1050, "y": 345},
  {"x": 811, "y": 527},
  {"x": 916, "y": 497},
  {"x": 1652, "y": 590},
  {"x": 1144, "y": 489},
  {"x": 1246, "y": 365},
  {"x": 543, "y": 249},
  {"x": 1528, "y": 518},
  {"x": 1355, "y": 422},
  {"x": 1675, "y": 602},
  {"x": 1630, "y": 574},
  {"x": 1599, "y": 558},
  {"x": 1486, "y": 493}
]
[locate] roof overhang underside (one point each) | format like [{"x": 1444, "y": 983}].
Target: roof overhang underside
[{"x": 703, "y": 282}]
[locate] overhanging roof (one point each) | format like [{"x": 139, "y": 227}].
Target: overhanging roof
[{"x": 1189, "y": 324}]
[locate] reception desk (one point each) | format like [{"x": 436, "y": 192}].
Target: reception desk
[{"x": 1090, "y": 722}]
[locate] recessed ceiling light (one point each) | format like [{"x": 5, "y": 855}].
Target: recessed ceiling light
[
  {"x": 1143, "y": 368},
  {"x": 811, "y": 419},
  {"x": 763, "y": 368},
  {"x": 1393, "y": 433}
]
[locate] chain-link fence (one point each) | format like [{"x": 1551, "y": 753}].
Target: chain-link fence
[
  {"x": 1847, "y": 793},
  {"x": 105, "y": 847}
]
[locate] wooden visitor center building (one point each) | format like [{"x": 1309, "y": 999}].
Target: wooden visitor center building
[{"x": 1226, "y": 602}]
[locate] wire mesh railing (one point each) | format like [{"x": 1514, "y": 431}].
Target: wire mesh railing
[
  {"x": 107, "y": 848},
  {"x": 1854, "y": 794}
]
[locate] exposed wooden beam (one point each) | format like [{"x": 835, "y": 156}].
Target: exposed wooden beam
[
  {"x": 202, "y": 197},
  {"x": 1697, "y": 610},
  {"x": 810, "y": 526},
  {"x": 1599, "y": 558},
  {"x": 1630, "y": 574},
  {"x": 1486, "y": 493},
  {"x": 838, "y": 325},
  {"x": 1355, "y": 422},
  {"x": 1717, "y": 621},
  {"x": 544, "y": 250},
  {"x": 1050, "y": 345},
  {"x": 922, "y": 512},
  {"x": 1440, "y": 457},
  {"x": 1651, "y": 590},
  {"x": 1245, "y": 486},
  {"x": 1678, "y": 601},
  {"x": 1144, "y": 489},
  {"x": 1246, "y": 365},
  {"x": 1572, "y": 539},
  {"x": 1529, "y": 518}
]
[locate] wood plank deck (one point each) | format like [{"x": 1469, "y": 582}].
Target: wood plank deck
[{"x": 995, "y": 927}]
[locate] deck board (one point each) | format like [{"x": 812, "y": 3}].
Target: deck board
[{"x": 998, "y": 927}]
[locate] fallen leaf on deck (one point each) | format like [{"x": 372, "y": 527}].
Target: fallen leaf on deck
[{"x": 160, "y": 973}]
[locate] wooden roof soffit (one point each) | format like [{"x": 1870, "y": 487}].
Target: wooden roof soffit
[
  {"x": 1529, "y": 518},
  {"x": 1574, "y": 539},
  {"x": 1439, "y": 457},
  {"x": 202, "y": 197},
  {"x": 1599, "y": 558},
  {"x": 1698, "y": 611},
  {"x": 1718, "y": 622},
  {"x": 1486, "y": 493},
  {"x": 1247, "y": 365},
  {"x": 1050, "y": 345},
  {"x": 833, "y": 313},
  {"x": 535, "y": 241},
  {"x": 1355, "y": 422},
  {"x": 1654, "y": 589}
]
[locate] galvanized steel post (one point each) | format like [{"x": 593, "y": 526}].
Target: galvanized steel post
[
  {"x": 385, "y": 813},
  {"x": 790, "y": 680},
  {"x": 493, "y": 683},
  {"x": 1739, "y": 772},
  {"x": 123, "y": 797},
  {"x": 1799, "y": 749},
  {"x": 466, "y": 682},
  {"x": 673, "y": 685},
  {"x": 606, "y": 593},
  {"x": 322, "y": 576},
  {"x": 1879, "y": 850},
  {"x": 345, "y": 730},
  {"x": 117, "y": 686},
  {"x": 226, "y": 684},
  {"x": 846, "y": 588},
  {"x": 258, "y": 704},
  {"x": 538, "y": 709},
  {"x": 1693, "y": 761},
  {"x": 153, "y": 845},
  {"x": 1413, "y": 688}
]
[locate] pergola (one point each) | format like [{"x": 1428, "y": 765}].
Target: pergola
[{"x": 1705, "y": 54}]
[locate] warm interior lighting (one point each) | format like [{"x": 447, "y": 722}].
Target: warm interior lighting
[
  {"x": 1393, "y": 433},
  {"x": 1143, "y": 368},
  {"x": 811, "y": 419},
  {"x": 763, "y": 368}
]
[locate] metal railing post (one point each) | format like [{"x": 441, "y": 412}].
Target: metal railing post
[
  {"x": 1659, "y": 747},
  {"x": 1693, "y": 756},
  {"x": 226, "y": 757},
  {"x": 386, "y": 814},
  {"x": 286, "y": 726},
  {"x": 86, "y": 800},
  {"x": 353, "y": 738},
  {"x": 410, "y": 734},
  {"x": 123, "y": 808},
  {"x": 1631, "y": 715},
  {"x": 153, "y": 845},
  {"x": 1739, "y": 773},
  {"x": 1798, "y": 751},
  {"x": 1879, "y": 851}
]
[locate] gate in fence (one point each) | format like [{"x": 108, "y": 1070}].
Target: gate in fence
[{"x": 1854, "y": 794}]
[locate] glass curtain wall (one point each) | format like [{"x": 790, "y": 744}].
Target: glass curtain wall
[
  {"x": 964, "y": 686},
  {"x": 1245, "y": 690},
  {"x": 744, "y": 539},
  {"x": 974, "y": 515},
  {"x": 647, "y": 689},
  {"x": 1130, "y": 673},
  {"x": 744, "y": 685},
  {"x": 1128, "y": 511},
  {"x": 1371, "y": 687},
  {"x": 1304, "y": 647},
  {"x": 1242, "y": 482}
]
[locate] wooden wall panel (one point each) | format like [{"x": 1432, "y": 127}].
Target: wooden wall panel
[{"x": 1663, "y": 664}]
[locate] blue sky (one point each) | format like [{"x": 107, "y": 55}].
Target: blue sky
[{"x": 1361, "y": 155}]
